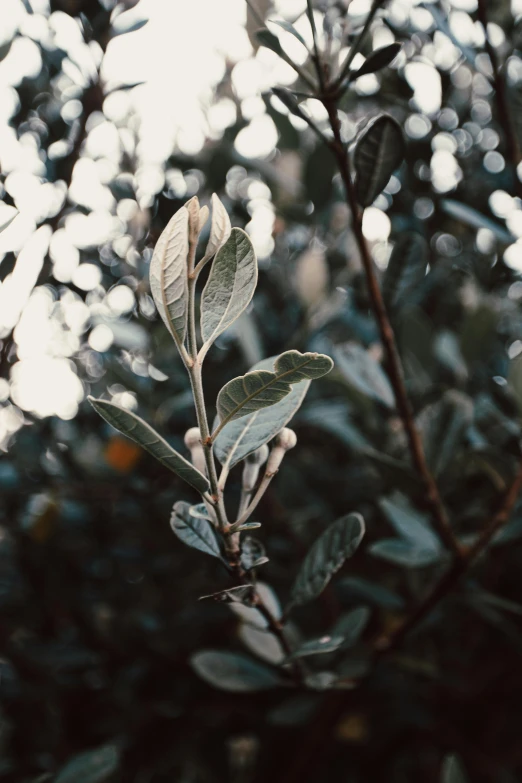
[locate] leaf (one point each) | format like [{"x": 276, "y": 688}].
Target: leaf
[
  {"x": 168, "y": 275},
  {"x": 362, "y": 590},
  {"x": 230, "y": 285},
  {"x": 406, "y": 268},
  {"x": 289, "y": 28},
  {"x": 242, "y": 594},
  {"x": 288, "y": 100},
  {"x": 472, "y": 217},
  {"x": 195, "y": 532},
  {"x": 271, "y": 41},
  {"x": 453, "y": 771},
  {"x": 351, "y": 625},
  {"x": 233, "y": 672},
  {"x": 252, "y": 616},
  {"x": 364, "y": 373},
  {"x": 326, "y": 644},
  {"x": 404, "y": 553},
  {"x": 241, "y": 437},
  {"x": 378, "y": 152},
  {"x": 262, "y": 643},
  {"x": 443, "y": 428},
  {"x": 220, "y": 227},
  {"x": 327, "y": 555},
  {"x": 261, "y": 388},
  {"x": 408, "y": 523},
  {"x": 93, "y": 766},
  {"x": 377, "y": 60},
  {"x": 141, "y": 433},
  {"x": 252, "y": 553}
]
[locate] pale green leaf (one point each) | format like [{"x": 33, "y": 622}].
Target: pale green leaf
[
  {"x": 261, "y": 388},
  {"x": 220, "y": 227},
  {"x": 168, "y": 275},
  {"x": 233, "y": 672},
  {"x": 327, "y": 555},
  {"x": 93, "y": 766},
  {"x": 364, "y": 373},
  {"x": 243, "y": 436},
  {"x": 141, "y": 433},
  {"x": 378, "y": 152},
  {"x": 351, "y": 625},
  {"x": 230, "y": 285},
  {"x": 252, "y": 616},
  {"x": 263, "y": 644},
  {"x": 195, "y": 532}
]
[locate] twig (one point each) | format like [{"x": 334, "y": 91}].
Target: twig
[
  {"x": 504, "y": 115},
  {"x": 356, "y": 47},
  {"x": 388, "y": 338},
  {"x": 457, "y": 569}
]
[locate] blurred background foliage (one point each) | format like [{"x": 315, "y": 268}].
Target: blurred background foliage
[{"x": 99, "y": 609}]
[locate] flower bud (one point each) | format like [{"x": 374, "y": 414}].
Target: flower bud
[
  {"x": 252, "y": 466},
  {"x": 194, "y": 445},
  {"x": 284, "y": 441},
  {"x": 287, "y": 439}
]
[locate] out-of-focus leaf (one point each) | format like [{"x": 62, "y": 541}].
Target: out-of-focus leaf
[
  {"x": 443, "y": 426},
  {"x": 377, "y": 60},
  {"x": 168, "y": 275},
  {"x": 233, "y": 672},
  {"x": 409, "y": 523},
  {"x": 404, "y": 553},
  {"x": 261, "y": 388},
  {"x": 93, "y": 766},
  {"x": 378, "y": 152},
  {"x": 141, "y": 433},
  {"x": 194, "y": 531},
  {"x": 123, "y": 26},
  {"x": 252, "y": 616},
  {"x": 472, "y": 217},
  {"x": 327, "y": 555},
  {"x": 7, "y": 222},
  {"x": 252, "y": 553},
  {"x": 453, "y": 771},
  {"x": 241, "y": 437},
  {"x": 243, "y": 594},
  {"x": 406, "y": 268},
  {"x": 358, "y": 589},
  {"x": 263, "y": 644},
  {"x": 364, "y": 373},
  {"x": 230, "y": 285},
  {"x": 326, "y": 644},
  {"x": 351, "y": 625}
]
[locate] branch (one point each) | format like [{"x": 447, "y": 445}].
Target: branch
[{"x": 388, "y": 338}]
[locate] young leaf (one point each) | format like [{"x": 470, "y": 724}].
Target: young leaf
[
  {"x": 252, "y": 553},
  {"x": 243, "y": 436},
  {"x": 271, "y": 41},
  {"x": 93, "y": 766},
  {"x": 193, "y": 531},
  {"x": 363, "y": 372},
  {"x": 452, "y": 771},
  {"x": 261, "y": 388},
  {"x": 168, "y": 275},
  {"x": 141, "y": 433},
  {"x": 378, "y": 152},
  {"x": 409, "y": 523},
  {"x": 404, "y": 553},
  {"x": 332, "y": 548},
  {"x": 230, "y": 285},
  {"x": 378, "y": 60},
  {"x": 220, "y": 227},
  {"x": 234, "y": 673},
  {"x": 326, "y": 644},
  {"x": 406, "y": 268},
  {"x": 289, "y": 28}
]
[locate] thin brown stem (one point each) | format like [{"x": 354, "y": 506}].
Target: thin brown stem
[
  {"x": 499, "y": 83},
  {"x": 388, "y": 338},
  {"x": 458, "y": 568}
]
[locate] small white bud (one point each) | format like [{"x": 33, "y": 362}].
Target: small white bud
[
  {"x": 252, "y": 467},
  {"x": 194, "y": 445},
  {"x": 259, "y": 456},
  {"x": 287, "y": 439},
  {"x": 192, "y": 438},
  {"x": 284, "y": 441}
]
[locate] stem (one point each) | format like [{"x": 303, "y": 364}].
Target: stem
[
  {"x": 504, "y": 115},
  {"x": 360, "y": 40},
  {"x": 249, "y": 510},
  {"x": 315, "y": 56},
  {"x": 388, "y": 338}
]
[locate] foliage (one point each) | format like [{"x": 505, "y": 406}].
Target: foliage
[{"x": 111, "y": 668}]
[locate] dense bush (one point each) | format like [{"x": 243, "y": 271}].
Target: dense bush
[{"x": 392, "y": 664}]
